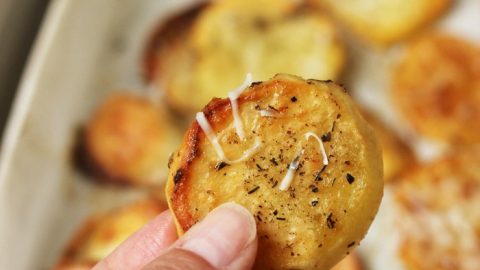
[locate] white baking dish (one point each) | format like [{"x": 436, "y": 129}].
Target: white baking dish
[{"x": 86, "y": 49}]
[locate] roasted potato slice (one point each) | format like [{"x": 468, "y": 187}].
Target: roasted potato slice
[
  {"x": 101, "y": 234},
  {"x": 440, "y": 216},
  {"x": 397, "y": 155},
  {"x": 437, "y": 88},
  {"x": 232, "y": 37},
  {"x": 383, "y": 22},
  {"x": 325, "y": 211},
  {"x": 129, "y": 140}
]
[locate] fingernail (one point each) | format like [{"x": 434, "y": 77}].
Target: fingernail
[{"x": 222, "y": 235}]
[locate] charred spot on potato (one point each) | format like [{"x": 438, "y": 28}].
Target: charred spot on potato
[{"x": 178, "y": 176}]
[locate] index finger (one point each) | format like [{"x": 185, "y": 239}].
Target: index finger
[{"x": 143, "y": 246}]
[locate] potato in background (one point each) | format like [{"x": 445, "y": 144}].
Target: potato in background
[
  {"x": 101, "y": 234},
  {"x": 436, "y": 87},
  {"x": 438, "y": 213},
  {"x": 230, "y": 38},
  {"x": 382, "y": 22},
  {"x": 128, "y": 140},
  {"x": 397, "y": 155}
]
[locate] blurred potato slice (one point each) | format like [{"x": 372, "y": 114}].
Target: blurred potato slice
[
  {"x": 101, "y": 234},
  {"x": 440, "y": 217},
  {"x": 129, "y": 140},
  {"x": 383, "y": 22},
  {"x": 437, "y": 88},
  {"x": 232, "y": 37},
  {"x": 397, "y": 155},
  {"x": 351, "y": 262},
  {"x": 326, "y": 210}
]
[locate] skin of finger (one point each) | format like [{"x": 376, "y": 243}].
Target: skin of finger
[
  {"x": 221, "y": 236},
  {"x": 143, "y": 246},
  {"x": 246, "y": 258},
  {"x": 179, "y": 259}
]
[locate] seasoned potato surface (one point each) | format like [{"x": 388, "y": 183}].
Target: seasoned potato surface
[{"x": 325, "y": 211}]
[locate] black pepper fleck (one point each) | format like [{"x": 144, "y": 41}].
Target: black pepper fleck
[
  {"x": 314, "y": 203},
  {"x": 330, "y": 221},
  {"x": 350, "y": 178},
  {"x": 259, "y": 167},
  {"x": 351, "y": 244},
  {"x": 253, "y": 189},
  {"x": 314, "y": 189},
  {"x": 281, "y": 218},
  {"x": 274, "y": 161},
  {"x": 326, "y": 137},
  {"x": 293, "y": 99},
  {"x": 220, "y": 165}
]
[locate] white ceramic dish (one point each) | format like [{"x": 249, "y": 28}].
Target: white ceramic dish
[{"x": 88, "y": 48}]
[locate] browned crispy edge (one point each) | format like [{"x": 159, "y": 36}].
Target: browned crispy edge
[{"x": 216, "y": 111}]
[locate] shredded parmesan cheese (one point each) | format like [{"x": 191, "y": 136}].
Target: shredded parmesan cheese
[
  {"x": 287, "y": 180},
  {"x": 212, "y": 137},
  {"x": 248, "y": 153},
  {"x": 268, "y": 113},
  {"x": 322, "y": 149},
  {"x": 233, "y": 95}
]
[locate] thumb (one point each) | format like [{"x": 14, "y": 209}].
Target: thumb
[{"x": 225, "y": 239}]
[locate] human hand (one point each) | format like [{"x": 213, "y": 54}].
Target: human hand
[{"x": 225, "y": 239}]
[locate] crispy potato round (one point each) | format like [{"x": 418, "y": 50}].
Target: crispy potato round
[
  {"x": 383, "y": 22},
  {"x": 437, "y": 88},
  {"x": 101, "y": 234},
  {"x": 325, "y": 211},
  {"x": 232, "y": 37},
  {"x": 128, "y": 140},
  {"x": 397, "y": 155},
  {"x": 440, "y": 215}
]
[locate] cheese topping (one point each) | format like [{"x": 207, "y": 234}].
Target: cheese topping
[
  {"x": 268, "y": 113},
  {"x": 212, "y": 137},
  {"x": 233, "y": 95},
  {"x": 322, "y": 149},
  {"x": 287, "y": 180}
]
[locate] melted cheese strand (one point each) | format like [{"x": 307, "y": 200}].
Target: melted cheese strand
[
  {"x": 268, "y": 113},
  {"x": 233, "y": 95},
  {"x": 322, "y": 149},
  {"x": 287, "y": 180},
  {"x": 212, "y": 137},
  {"x": 249, "y": 152}
]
